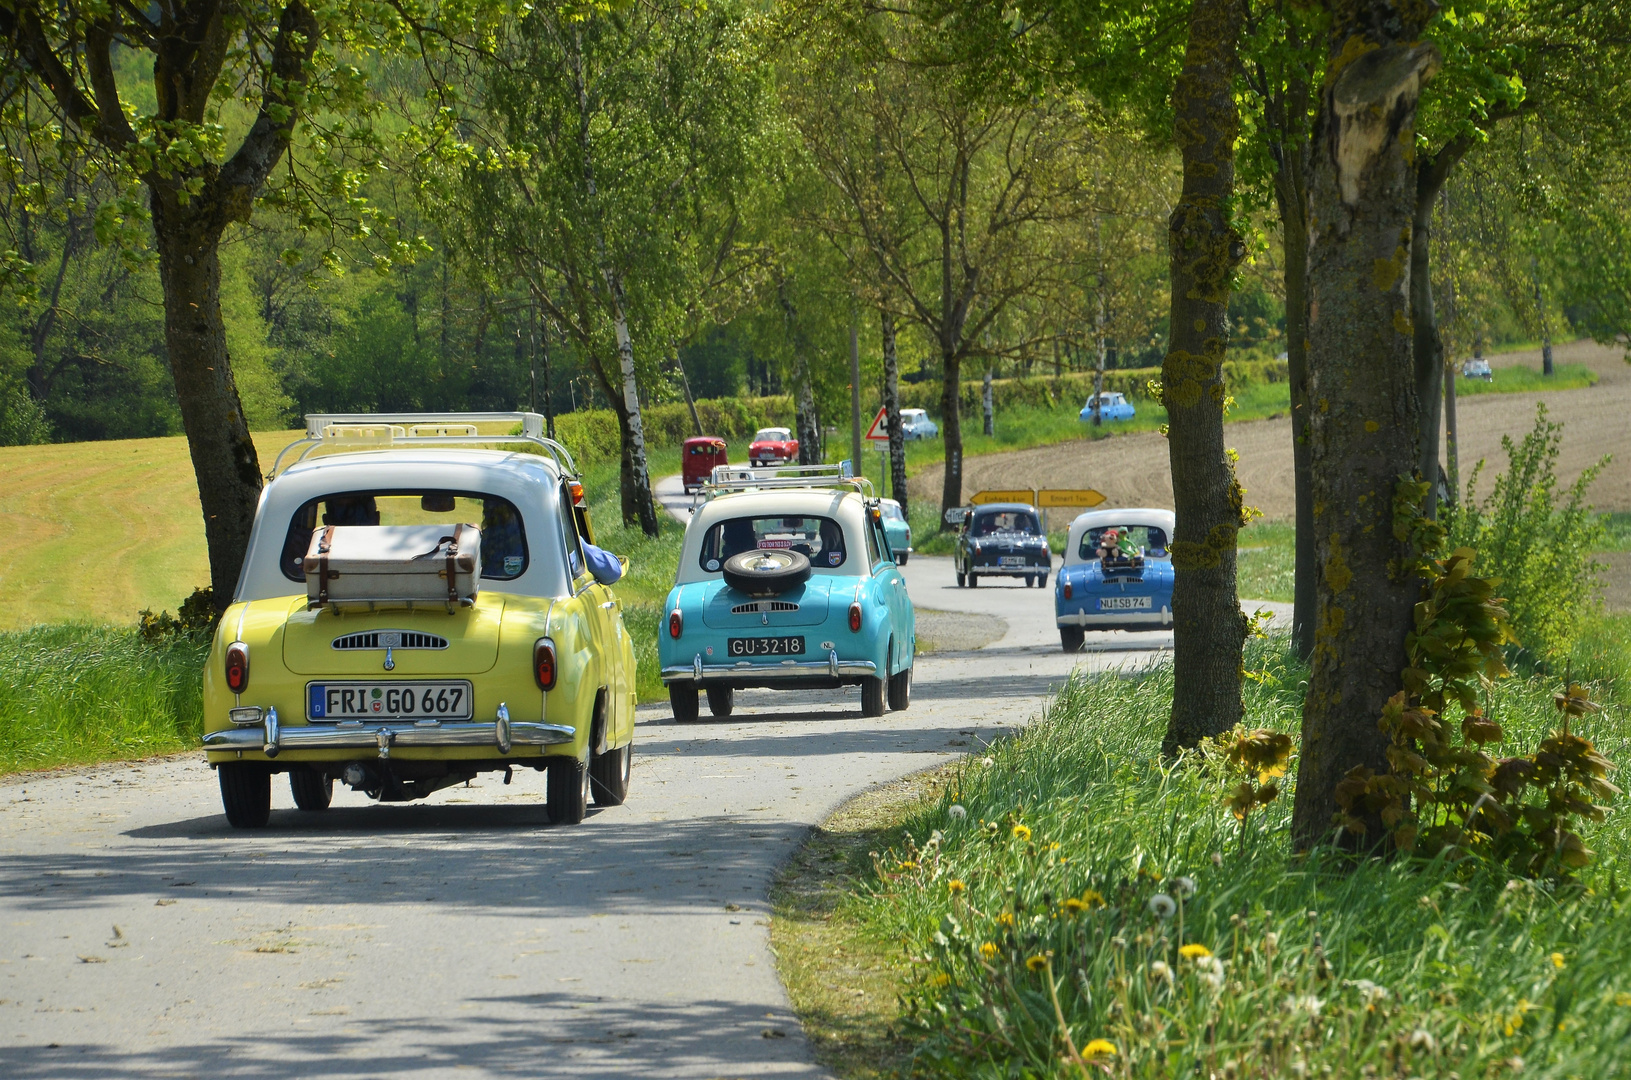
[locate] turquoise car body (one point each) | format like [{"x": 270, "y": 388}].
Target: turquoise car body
[
  {"x": 896, "y": 530},
  {"x": 705, "y": 646},
  {"x": 1112, "y": 406}
]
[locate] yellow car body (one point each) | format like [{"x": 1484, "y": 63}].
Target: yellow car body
[{"x": 302, "y": 657}]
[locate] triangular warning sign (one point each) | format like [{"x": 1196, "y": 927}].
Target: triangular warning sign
[{"x": 879, "y": 431}]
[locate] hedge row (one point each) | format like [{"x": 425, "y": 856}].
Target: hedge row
[
  {"x": 1073, "y": 389},
  {"x": 592, "y": 434}
]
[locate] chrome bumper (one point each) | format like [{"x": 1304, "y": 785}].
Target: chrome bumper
[
  {"x": 832, "y": 667},
  {"x": 501, "y": 733},
  {"x": 1150, "y": 618}
]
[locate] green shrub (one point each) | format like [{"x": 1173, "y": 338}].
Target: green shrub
[
  {"x": 1073, "y": 389},
  {"x": 1537, "y": 540},
  {"x": 593, "y": 438}
]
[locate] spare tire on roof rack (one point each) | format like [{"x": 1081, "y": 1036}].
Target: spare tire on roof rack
[{"x": 766, "y": 571}]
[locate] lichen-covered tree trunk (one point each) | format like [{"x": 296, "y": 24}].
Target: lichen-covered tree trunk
[
  {"x": 1365, "y": 417},
  {"x": 1204, "y": 248},
  {"x": 951, "y": 427},
  {"x": 891, "y": 399},
  {"x": 637, "y": 501}
]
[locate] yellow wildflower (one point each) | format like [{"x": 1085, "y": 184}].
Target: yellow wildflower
[
  {"x": 1622, "y": 998},
  {"x": 1051, "y": 847},
  {"x": 1098, "y": 1047},
  {"x": 908, "y": 864},
  {"x": 1074, "y": 906},
  {"x": 955, "y": 885},
  {"x": 1558, "y": 961},
  {"x": 988, "y": 950},
  {"x": 1093, "y": 898},
  {"x": 1005, "y": 918},
  {"x": 1194, "y": 952},
  {"x": 1022, "y": 832},
  {"x": 939, "y": 979},
  {"x": 1037, "y": 962}
]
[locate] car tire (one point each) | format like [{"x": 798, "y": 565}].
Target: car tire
[
  {"x": 246, "y": 793},
  {"x": 682, "y": 698},
  {"x": 1042, "y": 581},
  {"x": 1071, "y": 638},
  {"x": 872, "y": 696},
  {"x": 312, "y": 790},
  {"x": 772, "y": 571},
  {"x": 609, "y": 775},
  {"x": 900, "y": 560},
  {"x": 721, "y": 700},
  {"x": 962, "y": 581},
  {"x": 566, "y": 793},
  {"x": 900, "y": 690},
  {"x": 973, "y": 580}
]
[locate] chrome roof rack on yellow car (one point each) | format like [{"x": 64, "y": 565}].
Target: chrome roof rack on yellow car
[
  {"x": 345, "y": 432},
  {"x": 728, "y": 478}
]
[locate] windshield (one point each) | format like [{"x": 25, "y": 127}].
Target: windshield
[
  {"x": 503, "y": 542},
  {"x": 1021, "y": 521},
  {"x": 818, "y": 539},
  {"x": 1147, "y": 540},
  {"x": 891, "y": 510},
  {"x": 771, "y": 434}
]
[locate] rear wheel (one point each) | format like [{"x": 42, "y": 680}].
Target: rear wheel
[
  {"x": 973, "y": 580},
  {"x": 1071, "y": 637},
  {"x": 567, "y": 790},
  {"x": 682, "y": 698},
  {"x": 900, "y": 690},
  {"x": 609, "y": 775},
  {"x": 312, "y": 790},
  {"x": 1042, "y": 581},
  {"x": 900, "y": 560},
  {"x": 721, "y": 700},
  {"x": 246, "y": 794},
  {"x": 872, "y": 693},
  {"x": 962, "y": 580}
]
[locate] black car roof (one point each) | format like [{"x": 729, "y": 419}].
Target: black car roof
[{"x": 1002, "y": 508}]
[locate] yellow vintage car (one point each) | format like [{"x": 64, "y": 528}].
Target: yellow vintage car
[{"x": 349, "y": 655}]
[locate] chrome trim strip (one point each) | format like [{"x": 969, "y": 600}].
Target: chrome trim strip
[
  {"x": 359, "y": 736},
  {"x": 787, "y": 669}
]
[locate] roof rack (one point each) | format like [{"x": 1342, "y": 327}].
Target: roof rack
[
  {"x": 343, "y": 432},
  {"x": 727, "y": 478}
]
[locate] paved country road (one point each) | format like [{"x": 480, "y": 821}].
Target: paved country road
[{"x": 465, "y": 935}]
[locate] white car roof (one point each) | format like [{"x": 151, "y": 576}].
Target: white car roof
[
  {"x": 769, "y": 430},
  {"x": 529, "y": 481},
  {"x": 846, "y": 507},
  {"x": 1165, "y": 520}
]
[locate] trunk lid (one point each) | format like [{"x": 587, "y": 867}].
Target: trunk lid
[
  {"x": 802, "y": 605},
  {"x": 427, "y": 641}
]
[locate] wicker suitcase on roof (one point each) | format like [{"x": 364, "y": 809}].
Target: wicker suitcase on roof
[{"x": 389, "y": 565}]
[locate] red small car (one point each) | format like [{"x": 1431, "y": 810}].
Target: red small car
[
  {"x": 773, "y": 446},
  {"x": 698, "y": 458}
]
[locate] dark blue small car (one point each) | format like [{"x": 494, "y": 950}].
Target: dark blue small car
[{"x": 1117, "y": 574}]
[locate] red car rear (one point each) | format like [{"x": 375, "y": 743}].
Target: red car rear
[
  {"x": 698, "y": 458},
  {"x": 773, "y": 446}
]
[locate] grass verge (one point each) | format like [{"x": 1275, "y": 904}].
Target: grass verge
[
  {"x": 1518, "y": 379},
  {"x": 79, "y": 694},
  {"x": 1026, "y": 897}
]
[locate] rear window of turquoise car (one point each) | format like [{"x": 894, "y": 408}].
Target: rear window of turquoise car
[
  {"x": 1149, "y": 539},
  {"x": 819, "y": 539}
]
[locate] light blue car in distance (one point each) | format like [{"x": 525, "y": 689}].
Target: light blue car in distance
[
  {"x": 915, "y": 424},
  {"x": 896, "y": 530},
  {"x": 1112, "y": 406},
  {"x": 787, "y": 581}
]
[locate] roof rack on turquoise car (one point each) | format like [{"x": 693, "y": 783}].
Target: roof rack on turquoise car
[
  {"x": 726, "y": 478},
  {"x": 342, "y": 432}
]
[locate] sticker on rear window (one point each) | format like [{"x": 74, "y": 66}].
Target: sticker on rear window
[
  {"x": 512, "y": 565},
  {"x": 713, "y": 564},
  {"x": 834, "y": 558}
]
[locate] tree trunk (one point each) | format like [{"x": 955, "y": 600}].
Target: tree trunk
[
  {"x": 986, "y": 408},
  {"x": 1209, "y": 629},
  {"x": 1100, "y": 318},
  {"x": 685, "y": 385},
  {"x": 951, "y": 428},
  {"x": 891, "y": 400},
  {"x": 1452, "y": 461},
  {"x": 1366, "y": 425},
  {"x": 637, "y": 502},
  {"x": 1426, "y": 343},
  {"x": 188, "y": 238},
  {"x": 1540, "y": 319}
]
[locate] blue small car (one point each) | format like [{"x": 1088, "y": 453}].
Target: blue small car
[
  {"x": 915, "y": 424},
  {"x": 1117, "y": 574},
  {"x": 786, "y": 580},
  {"x": 896, "y": 530},
  {"x": 1112, "y": 406}
]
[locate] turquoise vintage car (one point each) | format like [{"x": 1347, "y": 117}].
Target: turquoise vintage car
[
  {"x": 896, "y": 530},
  {"x": 786, "y": 581}
]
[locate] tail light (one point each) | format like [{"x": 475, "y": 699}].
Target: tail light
[
  {"x": 1069, "y": 592},
  {"x": 543, "y": 663},
  {"x": 676, "y": 623},
  {"x": 855, "y": 617},
  {"x": 237, "y": 667},
  {"x": 577, "y": 492}
]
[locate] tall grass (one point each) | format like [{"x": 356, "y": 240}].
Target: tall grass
[
  {"x": 71, "y": 694},
  {"x": 1522, "y": 380},
  {"x": 1043, "y": 903}
]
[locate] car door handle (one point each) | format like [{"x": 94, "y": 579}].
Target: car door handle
[{"x": 609, "y": 604}]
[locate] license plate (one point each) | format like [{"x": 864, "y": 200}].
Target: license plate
[
  {"x": 388, "y": 701},
  {"x": 765, "y": 646},
  {"x": 1012, "y": 560},
  {"x": 1124, "y": 603}
]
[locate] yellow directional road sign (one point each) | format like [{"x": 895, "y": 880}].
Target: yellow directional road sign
[
  {"x": 1069, "y": 497},
  {"x": 1021, "y": 495}
]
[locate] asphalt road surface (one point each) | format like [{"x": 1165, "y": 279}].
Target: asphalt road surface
[{"x": 465, "y": 935}]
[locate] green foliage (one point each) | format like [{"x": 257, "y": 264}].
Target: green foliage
[
  {"x": 1074, "y": 388},
  {"x": 1537, "y": 540},
  {"x": 22, "y": 419},
  {"x": 195, "y": 620},
  {"x": 1525, "y": 380}
]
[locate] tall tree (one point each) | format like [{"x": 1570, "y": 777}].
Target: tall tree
[{"x": 1365, "y": 415}]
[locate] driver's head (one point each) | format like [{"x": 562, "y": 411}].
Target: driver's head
[{"x": 351, "y": 510}]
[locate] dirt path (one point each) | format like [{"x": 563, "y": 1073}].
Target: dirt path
[{"x": 1132, "y": 469}]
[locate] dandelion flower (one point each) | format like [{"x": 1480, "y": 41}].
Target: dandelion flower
[
  {"x": 939, "y": 979},
  {"x": 1194, "y": 952},
  {"x": 1213, "y": 980},
  {"x": 1422, "y": 1039},
  {"x": 1162, "y": 906},
  {"x": 1183, "y": 886},
  {"x": 988, "y": 762},
  {"x": 1074, "y": 906},
  {"x": 1099, "y": 1047},
  {"x": 1022, "y": 832},
  {"x": 1160, "y": 970},
  {"x": 1558, "y": 961},
  {"x": 1052, "y": 847},
  {"x": 1037, "y": 962},
  {"x": 989, "y": 951},
  {"x": 956, "y": 812},
  {"x": 1005, "y": 918},
  {"x": 955, "y": 885},
  {"x": 1093, "y": 898},
  {"x": 908, "y": 864}
]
